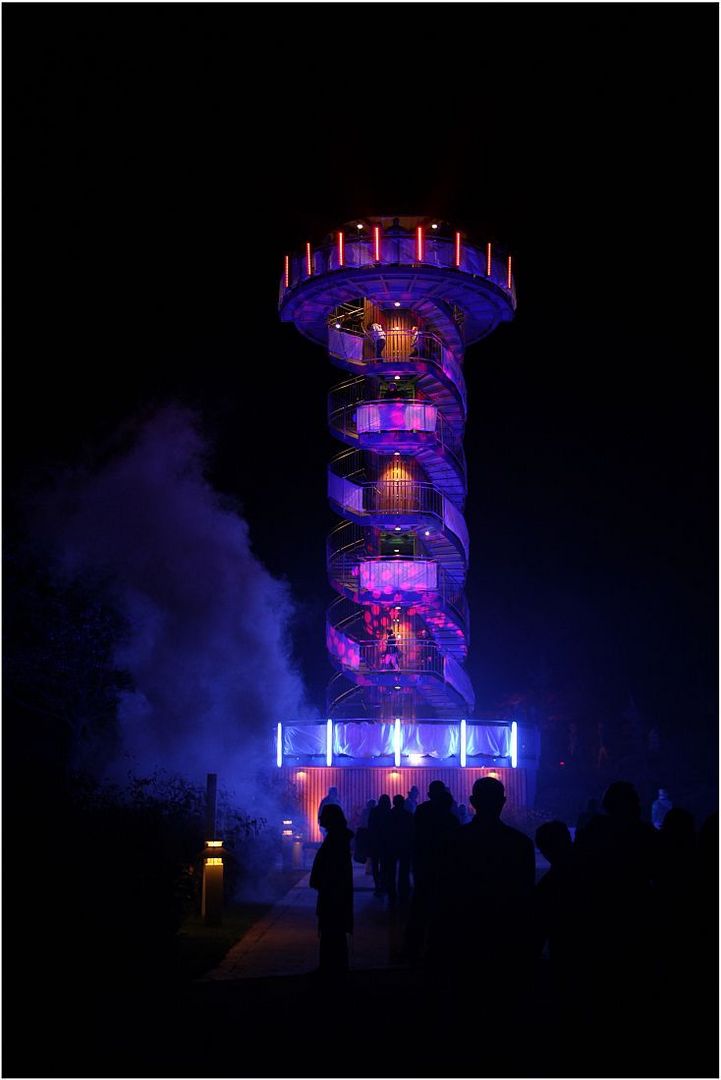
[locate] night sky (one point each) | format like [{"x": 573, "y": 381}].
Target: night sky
[{"x": 153, "y": 183}]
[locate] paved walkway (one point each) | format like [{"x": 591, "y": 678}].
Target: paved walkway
[{"x": 285, "y": 941}]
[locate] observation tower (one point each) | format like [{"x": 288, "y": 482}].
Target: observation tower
[{"x": 396, "y": 302}]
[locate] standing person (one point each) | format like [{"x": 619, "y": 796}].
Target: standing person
[
  {"x": 433, "y": 827},
  {"x": 378, "y": 336},
  {"x": 390, "y": 652},
  {"x": 412, "y": 800},
  {"x": 365, "y": 816},
  {"x": 415, "y": 333},
  {"x": 331, "y": 799},
  {"x": 616, "y": 857},
  {"x": 398, "y": 859},
  {"x": 556, "y": 903},
  {"x": 491, "y": 875},
  {"x": 660, "y": 808},
  {"x": 361, "y": 848},
  {"x": 586, "y": 816},
  {"x": 378, "y": 836},
  {"x": 332, "y": 877}
]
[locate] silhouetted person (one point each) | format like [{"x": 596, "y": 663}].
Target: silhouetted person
[
  {"x": 593, "y": 809},
  {"x": 677, "y": 888},
  {"x": 556, "y": 903},
  {"x": 490, "y": 884},
  {"x": 365, "y": 816},
  {"x": 362, "y": 846},
  {"x": 378, "y": 837},
  {"x": 708, "y": 850},
  {"x": 332, "y": 876},
  {"x": 331, "y": 799},
  {"x": 400, "y": 838},
  {"x": 412, "y": 800},
  {"x": 433, "y": 828},
  {"x": 462, "y": 813},
  {"x": 617, "y": 859}
]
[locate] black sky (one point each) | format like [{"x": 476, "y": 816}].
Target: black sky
[{"x": 161, "y": 159}]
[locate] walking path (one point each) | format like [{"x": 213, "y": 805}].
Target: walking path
[{"x": 285, "y": 941}]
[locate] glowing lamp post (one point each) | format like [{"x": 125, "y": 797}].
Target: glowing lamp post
[
  {"x": 212, "y": 902},
  {"x": 212, "y": 906},
  {"x": 291, "y": 845}
]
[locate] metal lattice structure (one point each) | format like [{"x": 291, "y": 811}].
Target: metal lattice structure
[{"x": 396, "y": 303}]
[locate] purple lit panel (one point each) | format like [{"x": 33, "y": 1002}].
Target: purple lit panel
[
  {"x": 431, "y": 740},
  {"x": 454, "y": 674},
  {"x": 492, "y": 741},
  {"x": 396, "y": 416},
  {"x": 344, "y": 345},
  {"x": 363, "y": 740},
  {"x": 385, "y": 576},
  {"x": 345, "y": 493},
  {"x": 347, "y": 651},
  {"x": 304, "y": 740},
  {"x": 455, "y": 521}
]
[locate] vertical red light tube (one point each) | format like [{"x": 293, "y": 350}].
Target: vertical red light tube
[
  {"x": 287, "y": 271},
  {"x": 377, "y": 243},
  {"x": 509, "y": 272},
  {"x": 419, "y": 243},
  {"x": 458, "y": 249},
  {"x": 341, "y": 252},
  {"x": 308, "y": 259},
  {"x": 488, "y": 260}
]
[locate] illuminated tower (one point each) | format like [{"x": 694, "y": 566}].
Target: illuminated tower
[{"x": 396, "y": 302}]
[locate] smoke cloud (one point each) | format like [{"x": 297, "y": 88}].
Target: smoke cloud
[{"x": 208, "y": 647}]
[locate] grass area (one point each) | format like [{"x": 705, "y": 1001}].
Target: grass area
[{"x": 200, "y": 948}]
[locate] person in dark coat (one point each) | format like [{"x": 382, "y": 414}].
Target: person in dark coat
[
  {"x": 556, "y": 908},
  {"x": 378, "y": 838},
  {"x": 489, "y": 885},
  {"x": 332, "y": 876},
  {"x": 617, "y": 857},
  {"x": 398, "y": 862},
  {"x": 434, "y": 824}
]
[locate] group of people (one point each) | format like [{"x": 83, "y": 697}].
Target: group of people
[
  {"x": 624, "y": 906},
  {"x": 377, "y": 335},
  {"x": 402, "y": 840}
]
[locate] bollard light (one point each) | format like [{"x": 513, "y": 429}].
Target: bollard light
[{"x": 212, "y": 901}]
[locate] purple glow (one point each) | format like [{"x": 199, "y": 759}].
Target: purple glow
[{"x": 207, "y": 624}]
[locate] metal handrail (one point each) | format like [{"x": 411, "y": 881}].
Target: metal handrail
[
  {"x": 343, "y": 611},
  {"x": 350, "y": 392},
  {"x": 345, "y": 536},
  {"x": 401, "y": 347},
  {"x": 418, "y": 655}
]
